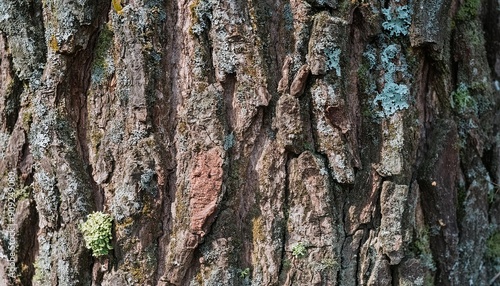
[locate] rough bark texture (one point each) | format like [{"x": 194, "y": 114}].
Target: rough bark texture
[{"x": 251, "y": 142}]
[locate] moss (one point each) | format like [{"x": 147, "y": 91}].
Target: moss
[
  {"x": 429, "y": 280},
  {"x": 330, "y": 263},
  {"x": 102, "y": 65},
  {"x": 287, "y": 264},
  {"x": 468, "y": 11},
  {"x": 422, "y": 247},
  {"x": 137, "y": 273},
  {"x": 493, "y": 244}
]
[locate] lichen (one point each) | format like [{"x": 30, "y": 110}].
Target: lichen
[
  {"x": 422, "y": 247},
  {"x": 398, "y": 20},
  {"x": 333, "y": 60},
  {"x": 462, "y": 101},
  {"x": 229, "y": 141},
  {"x": 4, "y": 140},
  {"x": 97, "y": 233},
  {"x": 299, "y": 250},
  {"x": 288, "y": 16},
  {"x": 117, "y": 5},
  {"x": 116, "y": 132},
  {"x": 137, "y": 135},
  {"x": 394, "y": 96},
  {"x": 148, "y": 181},
  {"x": 257, "y": 230},
  {"x": 201, "y": 13}
]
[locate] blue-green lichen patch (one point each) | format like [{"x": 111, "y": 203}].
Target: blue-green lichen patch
[
  {"x": 326, "y": 44},
  {"x": 394, "y": 94},
  {"x": 397, "y": 20},
  {"x": 148, "y": 181},
  {"x": 333, "y": 60}
]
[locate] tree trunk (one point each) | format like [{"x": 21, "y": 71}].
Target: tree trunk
[{"x": 270, "y": 142}]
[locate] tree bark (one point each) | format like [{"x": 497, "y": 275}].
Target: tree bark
[{"x": 272, "y": 142}]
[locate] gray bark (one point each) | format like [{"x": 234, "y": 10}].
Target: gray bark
[{"x": 272, "y": 142}]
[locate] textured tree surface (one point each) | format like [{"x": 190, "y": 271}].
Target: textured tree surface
[{"x": 251, "y": 142}]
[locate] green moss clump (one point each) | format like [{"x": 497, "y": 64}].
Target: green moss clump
[
  {"x": 493, "y": 244},
  {"x": 97, "y": 233},
  {"x": 468, "y": 11},
  {"x": 102, "y": 65}
]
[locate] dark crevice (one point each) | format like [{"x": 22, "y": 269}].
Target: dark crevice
[
  {"x": 491, "y": 27},
  {"x": 13, "y": 103},
  {"x": 229, "y": 86},
  {"x": 171, "y": 58},
  {"x": 286, "y": 201},
  {"x": 358, "y": 259},
  {"x": 29, "y": 246},
  {"x": 74, "y": 91}
]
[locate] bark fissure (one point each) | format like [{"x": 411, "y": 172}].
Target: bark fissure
[{"x": 291, "y": 142}]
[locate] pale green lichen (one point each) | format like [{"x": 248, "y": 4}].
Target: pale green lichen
[
  {"x": 97, "y": 233},
  {"x": 244, "y": 273},
  {"x": 299, "y": 250},
  {"x": 462, "y": 101}
]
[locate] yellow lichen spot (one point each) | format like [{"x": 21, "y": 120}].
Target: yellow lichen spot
[
  {"x": 53, "y": 43},
  {"x": 117, "y": 5},
  {"x": 258, "y": 229},
  {"x": 27, "y": 119},
  {"x": 199, "y": 278}
]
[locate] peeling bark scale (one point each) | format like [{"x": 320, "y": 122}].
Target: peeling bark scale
[{"x": 245, "y": 142}]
